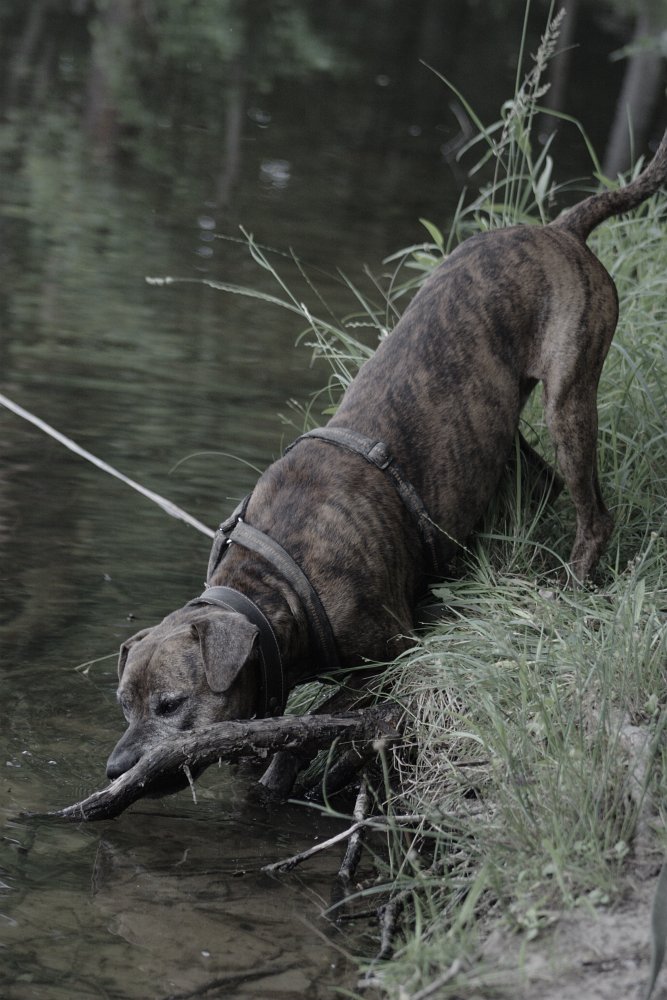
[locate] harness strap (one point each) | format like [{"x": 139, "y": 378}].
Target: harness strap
[
  {"x": 221, "y": 538},
  {"x": 234, "y": 529},
  {"x": 318, "y": 620},
  {"x": 377, "y": 454},
  {"x": 272, "y": 679}
]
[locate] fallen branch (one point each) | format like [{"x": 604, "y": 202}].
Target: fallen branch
[
  {"x": 373, "y": 822},
  {"x": 340, "y": 773},
  {"x": 255, "y": 739},
  {"x": 287, "y": 864},
  {"x": 377, "y": 982},
  {"x": 278, "y": 781},
  {"x": 388, "y": 916}
]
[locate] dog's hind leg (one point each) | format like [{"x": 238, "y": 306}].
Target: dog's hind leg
[
  {"x": 573, "y": 351},
  {"x": 572, "y": 421},
  {"x": 541, "y": 477}
]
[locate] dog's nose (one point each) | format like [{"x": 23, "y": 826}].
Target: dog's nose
[
  {"x": 119, "y": 762},
  {"x": 115, "y": 769}
]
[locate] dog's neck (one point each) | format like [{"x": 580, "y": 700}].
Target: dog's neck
[{"x": 272, "y": 595}]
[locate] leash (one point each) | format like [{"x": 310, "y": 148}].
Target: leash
[
  {"x": 166, "y": 505},
  {"x": 234, "y": 529}
]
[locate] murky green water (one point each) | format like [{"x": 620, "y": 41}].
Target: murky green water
[{"x": 131, "y": 138}]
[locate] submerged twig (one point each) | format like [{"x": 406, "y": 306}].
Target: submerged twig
[
  {"x": 388, "y": 916},
  {"x": 442, "y": 980},
  {"x": 287, "y": 864},
  {"x": 452, "y": 972},
  {"x": 191, "y": 782},
  {"x": 355, "y": 843}
]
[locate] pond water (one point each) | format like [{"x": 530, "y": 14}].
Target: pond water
[{"x": 133, "y": 137}]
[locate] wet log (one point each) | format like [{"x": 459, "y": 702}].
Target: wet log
[{"x": 164, "y": 765}]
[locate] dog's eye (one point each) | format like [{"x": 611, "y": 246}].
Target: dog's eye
[{"x": 169, "y": 703}]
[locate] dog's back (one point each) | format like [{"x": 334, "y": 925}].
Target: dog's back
[{"x": 505, "y": 310}]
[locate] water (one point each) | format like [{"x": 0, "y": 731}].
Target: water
[{"x": 115, "y": 167}]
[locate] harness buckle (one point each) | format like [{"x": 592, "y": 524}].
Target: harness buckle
[{"x": 379, "y": 455}]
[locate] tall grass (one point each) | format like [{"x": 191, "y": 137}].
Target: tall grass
[{"x": 534, "y": 714}]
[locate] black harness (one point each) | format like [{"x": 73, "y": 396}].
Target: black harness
[
  {"x": 376, "y": 453},
  {"x": 235, "y": 530}
]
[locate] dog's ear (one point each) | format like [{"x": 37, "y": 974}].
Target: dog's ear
[
  {"x": 226, "y": 643},
  {"x": 126, "y": 646}
]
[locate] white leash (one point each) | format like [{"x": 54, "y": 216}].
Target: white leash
[{"x": 166, "y": 505}]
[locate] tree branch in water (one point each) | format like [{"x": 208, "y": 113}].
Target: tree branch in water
[{"x": 169, "y": 760}]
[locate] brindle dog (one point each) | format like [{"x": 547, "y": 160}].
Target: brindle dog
[{"x": 443, "y": 392}]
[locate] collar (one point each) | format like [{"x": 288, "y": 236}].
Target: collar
[
  {"x": 235, "y": 529},
  {"x": 272, "y": 678}
]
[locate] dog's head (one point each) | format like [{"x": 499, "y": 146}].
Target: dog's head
[{"x": 198, "y": 666}]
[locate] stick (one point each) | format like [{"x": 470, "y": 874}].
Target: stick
[
  {"x": 354, "y": 845},
  {"x": 380, "y": 822},
  {"x": 372, "y": 981},
  {"x": 166, "y": 505},
  {"x": 339, "y": 774},
  {"x": 388, "y": 916},
  {"x": 287, "y": 864},
  {"x": 279, "y": 779},
  {"x": 198, "y": 749},
  {"x": 442, "y": 980}
]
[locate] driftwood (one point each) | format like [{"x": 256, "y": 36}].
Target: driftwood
[{"x": 229, "y": 741}]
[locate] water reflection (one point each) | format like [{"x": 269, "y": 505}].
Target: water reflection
[{"x": 174, "y": 907}]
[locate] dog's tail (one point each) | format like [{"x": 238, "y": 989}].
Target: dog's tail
[{"x": 581, "y": 219}]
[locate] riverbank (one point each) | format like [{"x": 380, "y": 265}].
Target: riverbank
[{"x": 536, "y": 753}]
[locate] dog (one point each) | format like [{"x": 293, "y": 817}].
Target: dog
[{"x": 321, "y": 567}]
